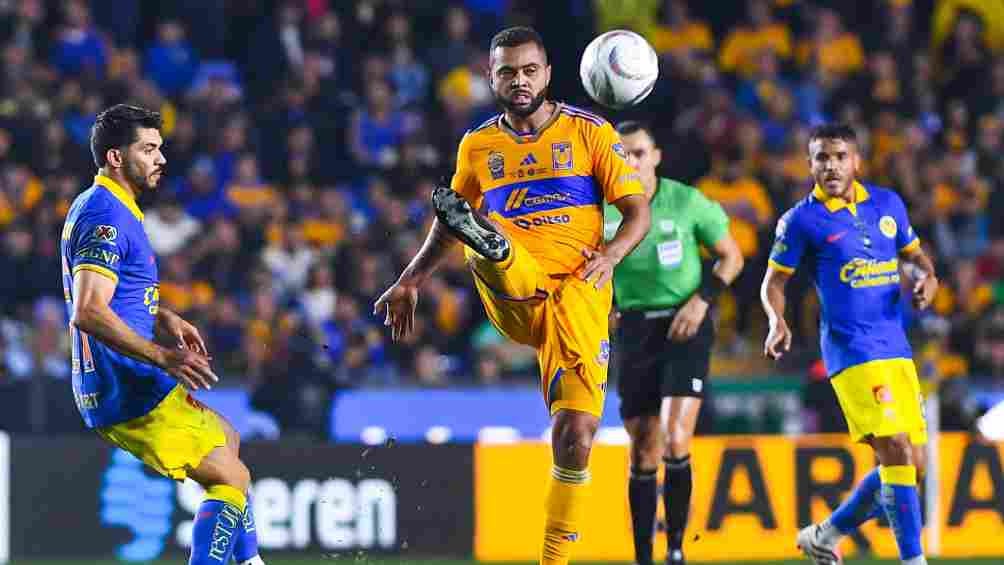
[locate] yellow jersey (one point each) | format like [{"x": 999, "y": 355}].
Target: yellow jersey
[{"x": 547, "y": 188}]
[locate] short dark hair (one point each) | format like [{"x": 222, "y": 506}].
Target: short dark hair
[
  {"x": 517, "y": 35},
  {"x": 116, "y": 127},
  {"x": 628, "y": 127},
  {"x": 833, "y": 131}
]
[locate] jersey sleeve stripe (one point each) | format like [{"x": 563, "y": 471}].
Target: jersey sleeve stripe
[
  {"x": 583, "y": 113},
  {"x": 588, "y": 117},
  {"x": 779, "y": 267},
  {"x": 97, "y": 269},
  {"x": 913, "y": 245},
  {"x": 487, "y": 123}
]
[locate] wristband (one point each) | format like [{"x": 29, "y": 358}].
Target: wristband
[{"x": 711, "y": 287}]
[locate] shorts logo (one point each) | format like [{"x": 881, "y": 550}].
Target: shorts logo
[
  {"x": 887, "y": 225},
  {"x": 696, "y": 385},
  {"x": 195, "y": 403},
  {"x": 882, "y": 394},
  {"x": 496, "y": 165},
  {"x": 106, "y": 233},
  {"x": 604, "y": 355},
  {"x": 561, "y": 156}
]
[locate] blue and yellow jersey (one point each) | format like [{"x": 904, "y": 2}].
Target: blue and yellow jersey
[
  {"x": 104, "y": 233},
  {"x": 852, "y": 252},
  {"x": 547, "y": 189}
]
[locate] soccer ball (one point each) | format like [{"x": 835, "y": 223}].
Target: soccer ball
[{"x": 619, "y": 69}]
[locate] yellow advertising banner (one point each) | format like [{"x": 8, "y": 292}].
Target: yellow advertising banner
[{"x": 751, "y": 494}]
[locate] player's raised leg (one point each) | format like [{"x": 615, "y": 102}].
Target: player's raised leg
[
  {"x": 246, "y": 544},
  {"x": 219, "y": 521},
  {"x": 567, "y": 492}
]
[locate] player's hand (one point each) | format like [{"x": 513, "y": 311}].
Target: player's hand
[
  {"x": 190, "y": 368},
  {"x": 688, "y": 320},
  {"x": 399, "y": 302},
  {"x": 778, "y": 340},
  {"x": 923, "y": 291},
  {"x": 186, "y": 334},
  {"x": 599, "y": 267}
]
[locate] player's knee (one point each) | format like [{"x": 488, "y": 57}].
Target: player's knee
[
  {"x": 677, "y": 440},
  {"x": 646, "y": 442},
  {"x": 894, "y": 450},
  {"x": 239, "y": 476},
  {"x": 573, "y": 440}
]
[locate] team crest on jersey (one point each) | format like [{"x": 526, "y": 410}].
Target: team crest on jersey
[
  {"x": 604, "y": 354},
  {"x": 106, "y": 233},
  {"x": 887, "y": 225},
  {"x": 561, "y": 156},
  {"x": 496, "y": 165}
]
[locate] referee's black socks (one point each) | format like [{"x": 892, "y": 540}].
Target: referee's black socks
[
  {"x": 676, "y": 489},
  {"x": 643, "y": 495}
]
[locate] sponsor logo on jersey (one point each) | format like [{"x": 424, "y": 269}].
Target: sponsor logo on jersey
[
  {"x": 862, "y": 273},
  {"x": 561, "y": 156},
  {"x": 527, "y": 223},
  {"x": 496, "y": 165},
  {"x": 106, "y": 233}
]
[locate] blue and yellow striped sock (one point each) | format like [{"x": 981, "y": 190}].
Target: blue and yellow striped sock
[
  {"x": 902, "y": 507},
  {"x": 217, "y": 525},
  {"x": 566, "y": 497}
]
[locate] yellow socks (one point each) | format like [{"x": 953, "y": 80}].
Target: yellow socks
[{"x": 566, "y": 497}]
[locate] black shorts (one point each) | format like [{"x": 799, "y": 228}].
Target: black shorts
[{"x": 650, "y": 367}]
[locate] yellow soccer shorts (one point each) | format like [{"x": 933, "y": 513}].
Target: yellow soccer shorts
[
  {"x": 563, "y": 318},
  {"x": 882, "y": 398},
  {"x": 173, "y": 438}
]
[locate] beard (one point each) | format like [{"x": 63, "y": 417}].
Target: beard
[
  {"x": 521, "y": 111},
  {"x": 134, "y": 174}
]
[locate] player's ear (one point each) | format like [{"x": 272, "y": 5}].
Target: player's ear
[
  {"x": 657, "y": 154},
  {"x": 114, "y": 157}
]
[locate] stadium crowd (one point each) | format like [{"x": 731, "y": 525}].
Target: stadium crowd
[{"x": 304, "y": 137}]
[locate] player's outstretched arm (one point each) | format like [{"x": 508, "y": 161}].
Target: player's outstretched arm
[
  {"x": 772, "y": 296},
  {"x": 600, "y": 263},
  {"x": 92, "y": 293},
  {"x": 401, "y": 299}
]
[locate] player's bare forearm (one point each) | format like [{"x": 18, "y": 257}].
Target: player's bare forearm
[
  {"x": 160, "y": 327},
  {"x": 437, "y": 246},
  {"x": 922, "y": 261},
  {"x": 730, "y": 259},
  {"x": 100, "y": 322},
  {"x": 637, "y": 220},
  {"x": 772, "y": 294}
]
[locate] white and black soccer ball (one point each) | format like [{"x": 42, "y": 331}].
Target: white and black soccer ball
[{"x": 619, "y": 69}]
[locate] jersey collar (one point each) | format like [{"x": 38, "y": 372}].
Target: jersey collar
[
  {"x": 534, "y": 136},
  {"x": 835, "y": 204},
  {"x": 117, "y": 191}
]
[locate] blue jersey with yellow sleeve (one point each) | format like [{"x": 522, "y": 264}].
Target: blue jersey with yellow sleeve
[
  {"x": 852, "y": 252},
  {"x": 547, "y": 188},
  {"x": 104, "y": 233}
]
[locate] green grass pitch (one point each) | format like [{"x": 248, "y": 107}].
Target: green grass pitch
[{"x": 325, "y": 560}]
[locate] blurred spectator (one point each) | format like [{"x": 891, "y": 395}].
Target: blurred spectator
[
  {"x": 831, "y": 47},
  {"x": 761, "y": 31},
  {"x": 170, "y": 61},
  {"x": 169, "y": 227},
  {"x": 639, "y": 16},
  {"x": 78, "y": 50},
  {"x": 679, "y": 35},
  {"x": 378, "y": 128},
  {"x": 456, "y": 49}
]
